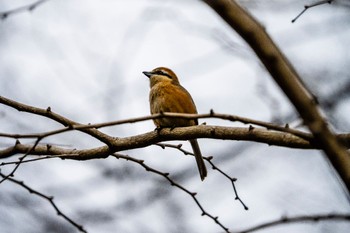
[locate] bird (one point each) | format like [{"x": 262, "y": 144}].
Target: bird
[{"x": 167, "y": 95}]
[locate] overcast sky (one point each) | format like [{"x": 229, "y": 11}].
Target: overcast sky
[{"x": 85, "y": 58}]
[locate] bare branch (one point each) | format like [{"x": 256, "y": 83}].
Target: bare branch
[
  {"x": 312, "y": 218},
  {"x": 21, "y": 159},
  {"x": 228, "y": 117},
  {"x": 119, "y": 156},
  {"x": 48, "y": 198},
  {"x": 212, "y": 114},
  {"x": 306, "y": 7},
  {"x": 27, "y": 160},
  {"x": 48, "y": 113},
  {"x": 181, "y": 133},
  {"x": 91, "y": 128},
  {"x": 232, "y": 180},
  {"x": 173, "y": 183},
  {"x": 289, "y": 81},
  {"x": 30, "y": 7},
  {"x": 209, "y": 159}
]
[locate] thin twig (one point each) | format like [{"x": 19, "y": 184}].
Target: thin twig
[
  {"x": 91, "y": 129},
  {"x": 29, "y": 7},
  {"x": 232, "y": 180},
  {"x": 48, "y": 198},
  {"x": 312, "y": 218},
  {"x": 306, "y": 7},
  {"x": 48, "y": 113},
  {"x": 20, "y": 159},
  {"x": 209, "y": 159},
  {"x": 36, "y": 135},
  {"x": 32, "y": 160},
  {"x": 173, "y": 183},
  {"x": 211, "y": 114}
]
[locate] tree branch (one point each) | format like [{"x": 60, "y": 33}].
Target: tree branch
[
  {"x": 90, "y": 128},
  {"x": 214, "y": 167},
  {"x": 174, "y": 183},
  {"x": 48, "y": 113},
  {"x": 48, "y": 198},
  {"x": 181, "y": 133},
  {"x": 29, "y": 7},
  {"x": 288, "y": 79},
  {"x": 312, "y": 218},
  {"x": 306, "y": 7}
]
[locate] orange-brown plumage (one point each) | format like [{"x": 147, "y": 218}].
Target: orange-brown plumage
[{"x": 167, "y": 95}]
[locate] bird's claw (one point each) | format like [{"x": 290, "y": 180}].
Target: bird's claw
[{"x": 158, "y": 129}]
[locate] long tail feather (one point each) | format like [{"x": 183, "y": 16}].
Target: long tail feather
[{"x": 199, "y": 159}]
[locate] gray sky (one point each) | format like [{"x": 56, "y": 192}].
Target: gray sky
[{"x": 85, "y": 59}]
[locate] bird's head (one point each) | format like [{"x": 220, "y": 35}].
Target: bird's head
[{"x": 161, "y": 75}]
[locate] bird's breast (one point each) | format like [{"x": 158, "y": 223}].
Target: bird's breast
[{"x": 171, "y": 98}]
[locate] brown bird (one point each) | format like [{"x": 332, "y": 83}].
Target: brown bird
[{"x": 167, "y": 95}]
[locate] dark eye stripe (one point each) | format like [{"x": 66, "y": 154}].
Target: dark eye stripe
[{"x": 163, "y": 73}]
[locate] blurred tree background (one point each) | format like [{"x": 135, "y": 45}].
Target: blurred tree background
[{"x": 85, "y": 59}]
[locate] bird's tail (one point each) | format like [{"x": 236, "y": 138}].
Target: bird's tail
[{"x": 199, "y": 159}]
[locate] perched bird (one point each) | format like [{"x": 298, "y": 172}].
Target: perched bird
[{"x": 167, "y": 95}]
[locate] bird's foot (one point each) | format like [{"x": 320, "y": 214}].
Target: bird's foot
[{"x": 158, "y": 129}]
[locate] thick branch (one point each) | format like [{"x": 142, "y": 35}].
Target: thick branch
[
  {"x": 183, "y": 133},
  {"x": 287, "y": 78}
]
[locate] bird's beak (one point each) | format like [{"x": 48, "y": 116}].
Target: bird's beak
[{"x": 148, "y": 74}]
